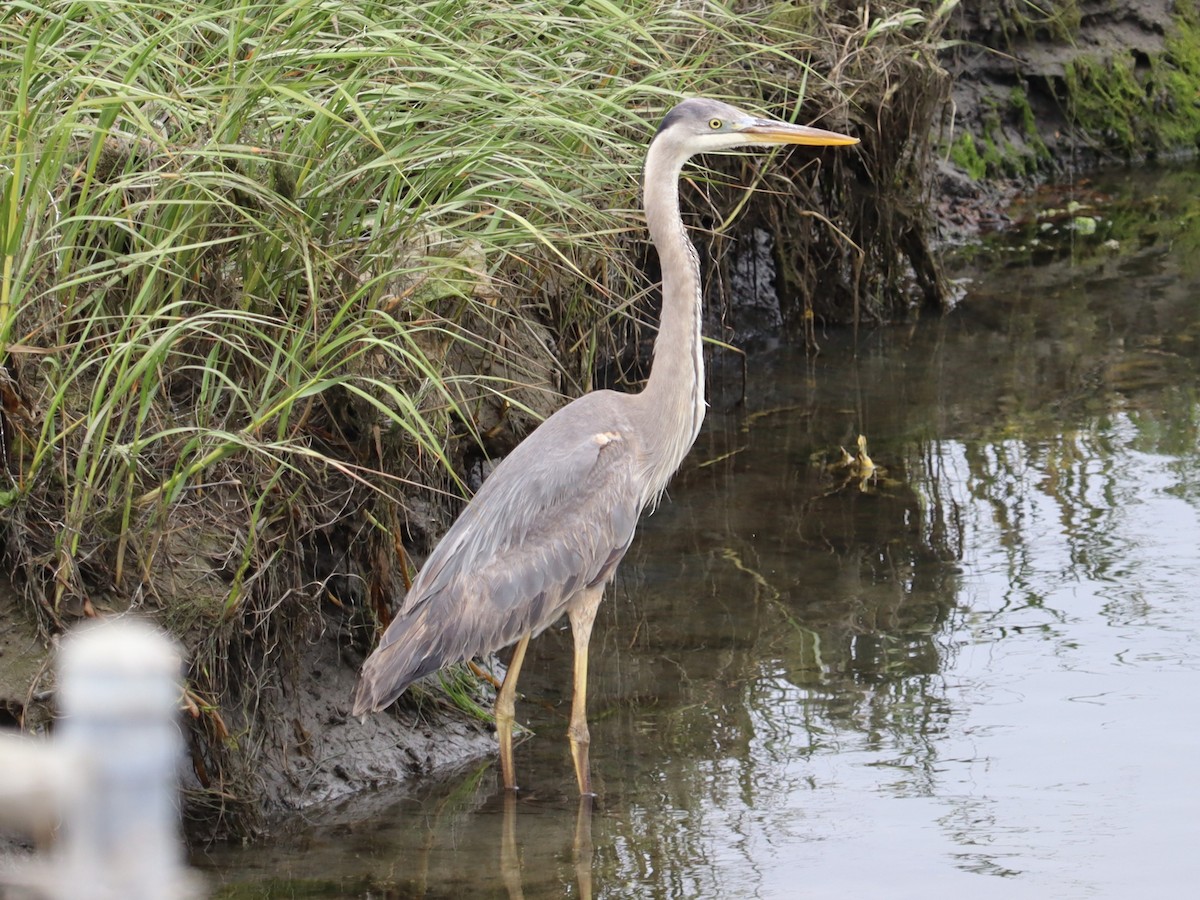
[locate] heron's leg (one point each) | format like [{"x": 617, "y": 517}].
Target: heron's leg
[
  {"x": 582, "y": 614},
  {"x": 506, "y": 714}
]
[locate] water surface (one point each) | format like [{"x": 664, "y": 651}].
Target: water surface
[{"x": 975, "y": 673}]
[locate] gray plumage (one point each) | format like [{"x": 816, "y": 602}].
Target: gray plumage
[
  {"x": 556, "y": 515},
  {"x": 544, "y": 534}
]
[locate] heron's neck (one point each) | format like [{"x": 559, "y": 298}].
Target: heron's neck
[{"x": 674, "y": 394}]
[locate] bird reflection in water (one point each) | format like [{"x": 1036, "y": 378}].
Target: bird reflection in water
[{"x": 510, "y": 849}]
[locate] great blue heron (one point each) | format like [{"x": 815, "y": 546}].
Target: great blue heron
[{"x": 546, "y": 530}]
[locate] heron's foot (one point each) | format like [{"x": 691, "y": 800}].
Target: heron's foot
[
  {"x": 508, "y": 772},
  {"x": 579, "y": 753},
  {"x": 504, "y": 729}
]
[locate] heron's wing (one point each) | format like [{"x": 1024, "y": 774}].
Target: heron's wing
[
  {"x": 530, "y": 511},
  {"x": 554, "y": 518}
]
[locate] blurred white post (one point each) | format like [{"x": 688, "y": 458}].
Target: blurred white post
[{"x": 116, "y": 752}]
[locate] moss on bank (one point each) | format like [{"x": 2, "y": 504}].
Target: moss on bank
[
  {"x": 1008, "y": 145},
  {"x": 1053, "y": 87},
  {"x": 1137, "y": 103}
]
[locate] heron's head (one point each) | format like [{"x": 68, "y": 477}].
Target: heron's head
[{"x": 703, "y": 126}]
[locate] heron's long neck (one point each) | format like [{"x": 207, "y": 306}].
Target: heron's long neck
[{"x": 674, "y": 394}]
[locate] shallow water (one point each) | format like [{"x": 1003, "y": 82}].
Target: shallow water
[{"x": 976, "y": 672}]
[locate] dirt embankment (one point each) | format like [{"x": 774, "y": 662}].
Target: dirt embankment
[{"x": 1048, "y": 91}]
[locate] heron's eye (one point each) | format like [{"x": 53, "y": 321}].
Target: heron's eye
[{"x": 715, "y": 124}]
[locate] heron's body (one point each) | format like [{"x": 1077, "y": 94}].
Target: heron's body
[
  {"x": 545, "y": 541},
  {"x": 545, "y": 533}
]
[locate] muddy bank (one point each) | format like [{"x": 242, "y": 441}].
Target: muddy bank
[
  {"x": 1048, "y": 93},
  {"x": 1016, "y": 95},
  {"x": 310, "y": 751}
]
